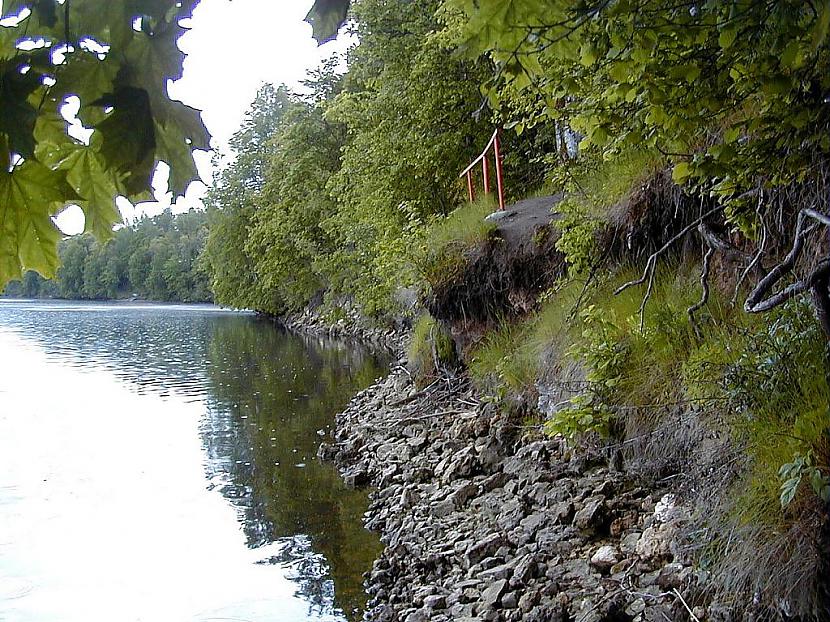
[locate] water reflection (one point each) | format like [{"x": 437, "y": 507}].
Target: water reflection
[
  {"x": 271, "y": 398},
  {"x": 260, "y": 398}
]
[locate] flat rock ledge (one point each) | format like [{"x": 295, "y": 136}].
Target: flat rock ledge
[{"x": 485, "y": 520}]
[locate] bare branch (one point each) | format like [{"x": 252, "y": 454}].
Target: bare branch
[
  {"x": 704, "y": 282},
  {"x": 758, "y": 254},
  {"x": 718, "y": 244}
]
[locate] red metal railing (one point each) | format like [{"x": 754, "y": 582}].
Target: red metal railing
[{"x": 495, "y": 144}]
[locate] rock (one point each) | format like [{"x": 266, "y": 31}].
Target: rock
[
  {"x": 435, "y": 601},
  {"x": 524, "y": 569},
  {"x": 635, "y": 608},
  {"x": 492, "y": 595},
  {"x": 356, "y": 478},
  {"x": 502, "y": 571},
  {"x": 442, "y": 508},
  {"x": 653, "y": 544},
  {"x": 485, "y": 548},
  {"x": 673, "y": 576},
  {"x": 605, "y": 557},
  {"x": 510, "y": 600},
  {"x": 419, "y": 615},
  {"x": 529, "y": 600},
  {"x": 592, "y": 514},
  {"x": 628, "y": 544},
  {"x": 461, "y": 496}
]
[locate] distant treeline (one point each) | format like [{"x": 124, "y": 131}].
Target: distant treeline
[{"x": 155, "y": 259}]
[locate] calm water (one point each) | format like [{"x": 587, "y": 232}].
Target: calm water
[{"x": 157, "y": 463}]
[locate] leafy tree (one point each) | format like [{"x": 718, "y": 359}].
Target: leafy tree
[
  {"x": 116, "y": 58},
  {"x": 230, "y": 204}
]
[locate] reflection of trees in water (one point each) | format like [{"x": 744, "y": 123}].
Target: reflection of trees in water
[
  {"x": 271, "y": 392},
  {"x": 267, "y": 395},
  {"x": 310, "y": 570},
  {"x": 155, "y": 349}
]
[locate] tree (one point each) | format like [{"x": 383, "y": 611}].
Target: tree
[
  {"x": 116, "y": 58},
  {"x": 231, "y": 204}
]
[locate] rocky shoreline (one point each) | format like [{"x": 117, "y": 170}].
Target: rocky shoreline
[
  {"x": 484, "y": 519},
  {"x": 350, "y": 327}
]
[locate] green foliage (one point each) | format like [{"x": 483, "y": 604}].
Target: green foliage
[
  {"x": 154, "y": 259},
  {"x": 503, "y": 364},
  {"x": 231, "y": 203},
  {"x": 52, "y": 52},
  {"x": 431, "y": 349},
  {"x": 801, "y": 468},
  {"x": 593, "y": 188},
  {"x": 358, "y": 167},
  {"x": 722, "y": 87},
  {"x": 775, "y": 388}
]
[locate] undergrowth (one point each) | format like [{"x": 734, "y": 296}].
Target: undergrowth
[
  {"x": 592, "y": 190},
  {"x": 765, "y": 377}
]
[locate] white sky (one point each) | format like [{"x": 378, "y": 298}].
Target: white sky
[{"x": 233, "y": 48}]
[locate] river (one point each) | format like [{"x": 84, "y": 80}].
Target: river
[{"x": 157, "y": 463}]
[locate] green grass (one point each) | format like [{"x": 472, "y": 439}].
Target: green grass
[{"x": 431, "y": 348}]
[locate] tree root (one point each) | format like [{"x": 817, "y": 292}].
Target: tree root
[{"x": 760, "y": 299}]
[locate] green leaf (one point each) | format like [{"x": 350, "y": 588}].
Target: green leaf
[
  {"x": 727, "y": 37},
  {"x": 173, "y": 149},
  {"x": 17, "y": 114},
  {"x": 681, "y": 172},
  {"x": 29, "y": 195},
  {"x": 95, "y": 186},
  {"x": 589, "y": 54},
  {"x": 326, "y": 17},
  {"x": 127, "y": 137}
]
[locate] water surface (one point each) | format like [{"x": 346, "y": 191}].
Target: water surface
[{"x": 157, "y": 463}]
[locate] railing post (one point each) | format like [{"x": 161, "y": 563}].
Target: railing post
[
  {"x": 499, "y": 174},
  {"x": 470, "y": 189},
  {"x": 485, "y": 165}
]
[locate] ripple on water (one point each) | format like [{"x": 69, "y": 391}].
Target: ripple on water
[{"x": 12, "y": 588}]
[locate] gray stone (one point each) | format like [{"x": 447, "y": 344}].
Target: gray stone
[
  {"x": 435, "y": 601},
  {"x": 492, "y": 595},
  {"x": 529, "y": 600},
  {"x": 442, "y": 508},
  {"x": 635, "y": 608},
  {"x": 510, "y": 600},
  {"x": 419, "y": 615},
  {"x": 461, "y": 496},
  {"x": 591, "y": 515},
  {"x": 605, "y": 557},
  {"x": 628, "y": 544},
  {"x": 484, "y": 548}
]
